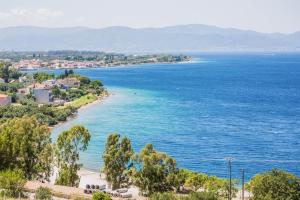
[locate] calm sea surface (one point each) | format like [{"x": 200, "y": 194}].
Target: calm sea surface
[{"x": 245, "y": 106}]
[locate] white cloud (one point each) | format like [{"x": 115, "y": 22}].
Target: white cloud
[
  {"x": 49, "y": 13},
  {"x": 19, "y": 12},
  {"x": 21, "y": 16}
]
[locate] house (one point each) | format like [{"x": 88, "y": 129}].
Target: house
[
  {"x": 5, "y": 99},
  {"x": 50, "y": 83},
  {"x": 68, "y": 82},
  {"x": 25, "y": 80},
  {"x": 41, "y": 92},
  {"x": 42, "y": 95},
  {"x": 2, "y": 80},
  {"x": 22, "y": 92}
]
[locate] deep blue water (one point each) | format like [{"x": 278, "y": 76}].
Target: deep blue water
[{"x": 245, "y": 106}]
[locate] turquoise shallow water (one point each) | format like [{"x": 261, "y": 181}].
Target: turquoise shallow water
[{"x": 246, "y": 106}]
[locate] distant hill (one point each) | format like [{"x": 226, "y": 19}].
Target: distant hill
[{"x": 183, "y": 38}]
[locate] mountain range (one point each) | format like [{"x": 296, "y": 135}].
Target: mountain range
[{"x": 181, "y": 38}]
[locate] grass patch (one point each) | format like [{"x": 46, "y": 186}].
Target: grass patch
[{"x": 84, "y": 100}]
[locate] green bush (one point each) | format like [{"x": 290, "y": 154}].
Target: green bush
[
  {"x": 275, "y": 185},
  {"x": 43, "y": 193},
  {"x": 163, "y": 196},
  {"x": 192, "y": 196},
  {"x": 201, "y": 196},
  {"x": 101, "y": 196},
  {"x": 12, "y": 182}
]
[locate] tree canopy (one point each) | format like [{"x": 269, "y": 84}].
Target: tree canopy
[
  {"x": 12, "y": 182},
  {"x": 26, "y": 145},
  {"x": 68, "y": 146},
  {"x": 156, "y": 171},
  {"x": 116, "y": 159},
  {"x": 7, "y": 73},
  {"x": 275, "y": 185}
]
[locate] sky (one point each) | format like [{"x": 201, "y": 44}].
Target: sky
[{"x": 258, "y": 15}]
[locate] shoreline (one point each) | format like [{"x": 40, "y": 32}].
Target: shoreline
[
  {"x": 99, "y": 99},
  {"x": 108, "y": 66}
]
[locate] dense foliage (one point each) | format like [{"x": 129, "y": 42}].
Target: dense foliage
[
  {"x": 101, "y": 196},
  {"x": 7, "y": 73},
  {"x": 26, "y": 145},
  {"x": 116, "y": 159},
  {"x": 11, "y": 182},
  {"x": 275, "y": 185},
  {"x": 42, "y": 76},
  {"x": 46, "y": 114},
  {"x": 156, "y": 171},
  {"x": 211, "y": 184},
  {"x": 43, "y": 193},
  {"x": 68, "y": 145},
  {"x": 191, "y": 196}
]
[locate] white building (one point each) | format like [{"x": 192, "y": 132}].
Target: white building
[{"x": 41, "y": 95}]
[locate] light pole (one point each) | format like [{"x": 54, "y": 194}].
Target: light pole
[
  {"x": 243, "y": 184},
  {"x": 229, "y": 160}
]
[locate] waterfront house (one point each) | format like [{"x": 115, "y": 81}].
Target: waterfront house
[{"x": 5, "y": 99}]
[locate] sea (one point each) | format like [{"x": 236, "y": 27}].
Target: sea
[{"x": 219, "y": 106}]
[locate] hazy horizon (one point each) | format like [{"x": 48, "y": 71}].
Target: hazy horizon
[
  {"x": 265, "y": 16},
  {"x": 138, "y": 28}
]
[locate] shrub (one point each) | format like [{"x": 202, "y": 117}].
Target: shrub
[
  {"x": 192, "y": 196},
  {"x": 276, "y": 185},
  {"x": 163, "y": 196},
  {"x": 12, "y": 182},
  {"x": 43, "y": 193},
  {"x": 101, "y": 196},
  {"x": 201, "y": 196}
]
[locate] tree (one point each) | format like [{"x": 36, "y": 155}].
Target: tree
[
  {"x": 275, "y": 185},
  {"x": 43, "y": 193},
  {"x": 55, "y": 91},
  {"x": 42, "y": 76},
  {"x": 12, "y": 182},
  {"x": 100, "y": 196},
  {"x": 95, "y": 84},
  {"x": 156, "y": 171},
  {"x": 116, "y": 159},
  {"x": 182, "y": 176},
  {"x": 26, "y": 145},
  {"x": 196, "y": 181},
  {"x": 68, "y": 145},
  {"x": 4, "y": 71}
]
